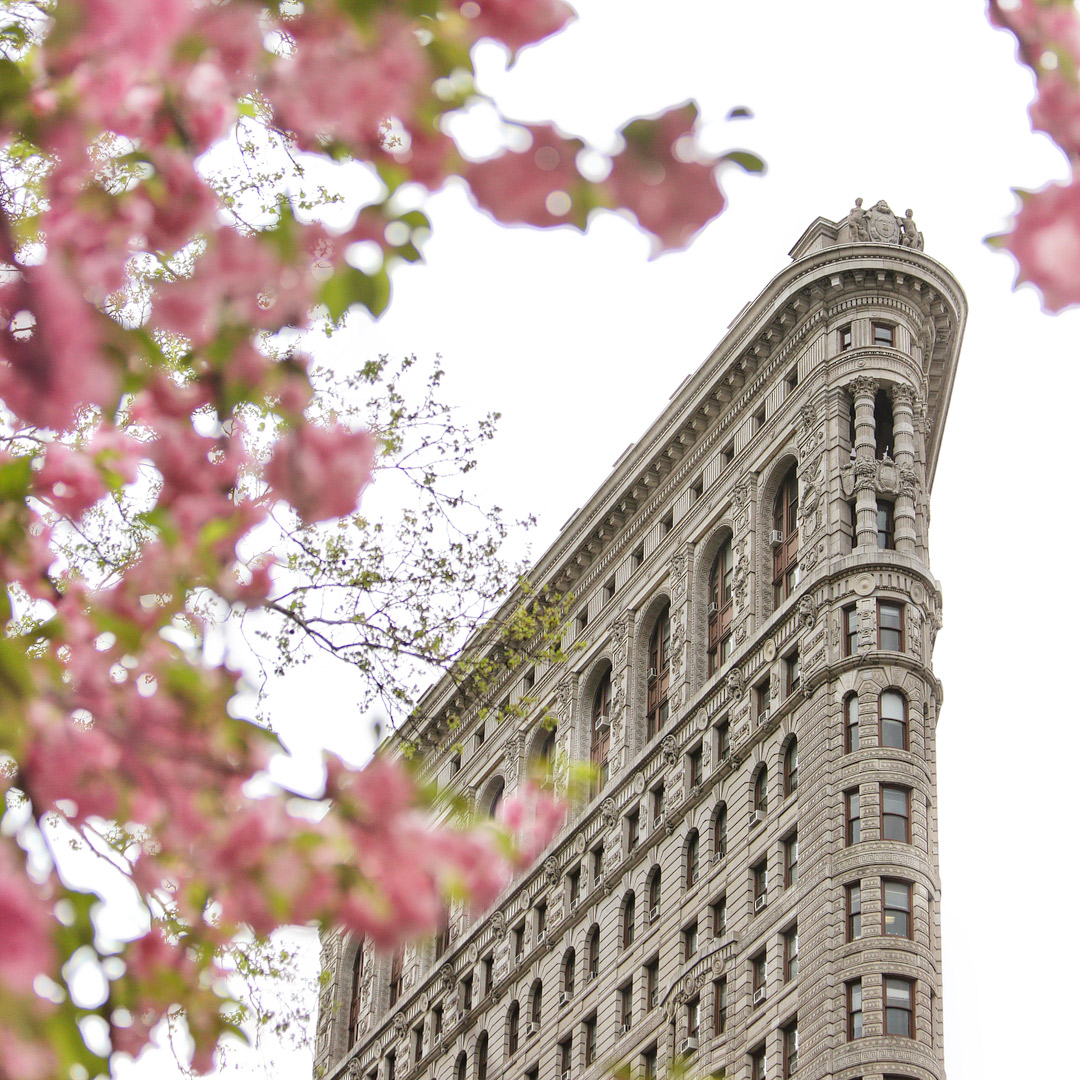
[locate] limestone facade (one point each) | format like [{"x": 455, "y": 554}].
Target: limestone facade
[{"x": 755, "y": 888}]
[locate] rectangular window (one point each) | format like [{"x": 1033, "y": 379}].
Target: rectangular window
[
  {"x": 693, "y": 1018},
  {"x": 697, "y": 489},
  {"x": 487, "y": 966},
  {"x": 854, "y": 911},
  {"x": 851, "y": 723},
  {"x": 899, "y": 1006},
  {"x": 574, "y": 878},
  {"x": 760, "y": 872},
  {"x": 455, "y": 765},
  {"x": 694, "y": 765},
  {"x": 658, "y": 804},
  {"x": 590, "y": 1040},
  {"x": 609, "y": 590},
  {"x": 791, "y": 860},
  {"x": 895, "y": 814},
  {"x": 851, "y": 631},
  {"x": 727, "y": 455},
  {"x": 633, "y": 830},
  {"x": 466, "y": 993},
  {"x": 481, "y": 735},
  {"x": 757, "y": 1064},
  {"x": 530, "y": 680},
  {"x": 541, "y": 918},
  {"x": 883, "y": 334},
  {"x": 761, "y": 699},
  {"x": 845, "y": 337},
  {"x": 519, "y": 942},
  {"x": 854, "y": 1009},
  {"x": 436, "y": 1022},
  {"x": 890, "y": 626},
  {"x": 652, "y": 983},
  {"x": 792, "y": 380},
  {"x": 566, "y": 1052},
  {"x": 896, "y": 908},
  {"x": 719, "y": 917},
  {"x": 648, "y": 1064},
  {"x": 851, "y": 817},
  {"x": 791, "y": 673},
  {"x": 892, "y": 720},
  {"x": 791, "y": 954},
  {"x": 690, "y": 940},
  {"x": 598, "y": 864},
  {"x": 759, "y": 419},
  {"x": 418, "y": 1041},
  {"x": 582, "y": 621},
  {"x": 626, "y": 1005},
  {"x": 720, "y": 1007},
  {"x": 757, "y": 976},
  {"x": 723, "y": 740},
  {"x": 791, "y": 1049},
  {"x": 885, "y": 532},
  {"x": 637, "y": 558}
]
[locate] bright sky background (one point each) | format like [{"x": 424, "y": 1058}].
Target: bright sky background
[{"x": 580, "y": 340}]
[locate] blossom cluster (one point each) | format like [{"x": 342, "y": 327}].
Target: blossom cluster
[
  {"x": 139, "y": 305},
  {"x": 1045, "y": 235}
]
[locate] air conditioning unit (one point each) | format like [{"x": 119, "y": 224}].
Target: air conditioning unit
[
  {"x": 654, "y": 914},
  {"x": 658, "y": 820},
  {"x": 589, "y": 976},
  {"x": 714, "y": 608},
  {"x": 603, "y": 724},
  {"x": 531, "y": 1028},
  {"x": 651, "y": 673},
  {"x": 541, "y": 937},
  {"x": 763, "y": 716},
  {"x": 574, "y": 903},
  {"x": 564, "y": 997},
  {"x": 627, "y": 1025},
  {"x": 598, "y": 880},
  {"x": 688, "y": 1045},
  {"x": 761, "y": 901},
  {"x": 759, "y": 995},
  {"x": 776, "y": 537},
  {"x": 756, "y": 818},
  {"x": 566, "y": 1074},
  {"x": 460, "y": 1015}
]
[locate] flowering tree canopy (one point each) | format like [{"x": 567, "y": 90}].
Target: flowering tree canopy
[{"x": 161, "y": 257}]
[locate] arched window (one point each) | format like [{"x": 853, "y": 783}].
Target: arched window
[
  {"x": 761, "y": 790},
  {"x": 628, "y": 925},
  {"x": 397, "y": 976},
  {"x": 659, "y": 675},
  {"x": 692, "y": 862},
  {"x": 892, "y": 708},
  {"x": 785, "y": 538},
  {"x": 720, "y": 608},
  {"x": 442, "y": 937},
  {"x": 460, "y": 1068},
  {"x": 791, "y": 768},
  {"x": 851, "y": 723},
  {"x": 513, "y": 1022},
  {"x": 601, "y": 732},
  {"x": 481, "y": 1056},
  {"x": 357, "y": 983},
  {"x": 593, "y": 947},
  {"x": 655, "y": 882},
  {"x": 546, "y": 756},
  {"x": 569, "y": 970},
  {"x": 720, "y": 832},
  {"x": 496, "y": 799},
  {"x": 536, "y": 1002}
]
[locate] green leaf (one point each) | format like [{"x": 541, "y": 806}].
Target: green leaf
[
  {"x": 750, "y": 163},
  {"x": 351, "y": 286}
]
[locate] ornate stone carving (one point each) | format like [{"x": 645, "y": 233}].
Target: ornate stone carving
[
  {"x": 736, "y": 684},
  {"x": 910, "y": 237},
  {"x": 498, "y": 924},
  {"x": 741, "y": 494},
  {"x": 511, "y": 762},
  {"x": 741, "y": 581},
  {"x": 354, "y": 1071},
  {"x": 639, "y": 783},
  {"x": 620, "y": 632},
  {"x": 863, "y": 386},
  {"x": 446, "y": 979},
  {"x": 564, "y": 694},
  {"x": 808, "y": 416},
  {"x": 551, "y": 871},
  {"x": 858, "y": 229},
  {"x": 670, "y": 751},
  {"x": 677, "y": 574},
  {"x": 706, "y": 752},
  {"x": 807, "y": 612},
  {"x": 908, "y": 481},
  {"x": 608, "y": 812},
  {"x": 903, "y": 394},
  {"x": 676, "y": 659},
  {"x": 399, "y": 1026},
  {"x": 883, "y": 224}
]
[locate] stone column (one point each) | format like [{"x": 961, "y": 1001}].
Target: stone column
[
  {"x": 864, "y": 388},
  {"x": 903, "y": 403}
]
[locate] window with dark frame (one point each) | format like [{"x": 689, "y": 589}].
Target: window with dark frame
[
  {"x": 791, "y": 954},
  {"x": 895, "y": 813},
  {"x": 892, "y": 720},
  {"x": 481, "y": 1057},
  {"x": 899, "y": 1006},
  {"x": 885, "y": 527},
  {"x": 590, "y": 1040},
  {"x": 629, "y": 920},
  {"x": 654, "y": 892},
  {"x": 761, "y": 791},
  {"x": 569, "y": 971},
  {"x": 582, "y": 620},
  {"x": 851, "y": 630},
  {"x": 883, "y": 334},
  {"x": 466, "y": 992},
  {"x": 397, "y": 975},
  {"x": 757, "y": 1064},
  {"x": 791, "y": 768},
  {"x": 720, "y": 1007},
  {"x": 566, "y": 1051},
  {"x": 513, "y": 1022},
  {"x": 626, "y": 1005},
  {"x": 852, "y": 819},
  {"x": 792, "y": 380},
  {"x": 657, "y": 804},
  {"x": 721, "y": 606},
  {"x": 541, "y": 918},
  {"x": 786, "y": 541},
  {"x": 536, "y": 1005},
  {"x": 727, "y": 455},
  {"x": 598, "y": 864},
  {"x": 391, "y": 1065},
  {"x": 851, "y": 723},
  {"x": 791, "y": 673},
  {"x": 652, "y": 983},
  {"x": 896, "y": 908},
  {"x": 357, "y": 987},
  {"x": 719, "y": 917},
  {"x": 692, "y": 860},
  {"x": 758, "y": 972},
  {"x": 695, "y": 766},
  {"x": 693, "y": 1018},
  {"x": 461, "y": 1069},
  {"x": 594, "y": 952},
  {"x": 854, "y": 1009},
  {"x": 723, "y": 740},
  {"x": 890, "y": 626},
  {"x": 690, "y": 940},
  {"x": 697, "y": 489},
  {"x": 436, "y": 1021},
  {"x": 791, "y": 1048},
  {"x": 762, "y": 698},
  {"x": 720, "y": 833},
  {"x": 853, "y": 905},
  {"x": 883, "y": 424},
  {"x": 844, "y": 334},
  {"x": 633, "y": 830},
  {"x": 760, "y": 873},
  {"x": 659, "y": 673},
  {"x": 574, "y": 878},
  {"x": 667, "y": 524},
  {"x": 487, "y": 968},
  {"x": 600, "y": 743},
  {"x": 791, "y": 860},
  {"x": 418, "y": 1041},
  {"x": 648, "y": 1064}
]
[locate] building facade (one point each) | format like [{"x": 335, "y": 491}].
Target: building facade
[{"x": 753, "y": 886}]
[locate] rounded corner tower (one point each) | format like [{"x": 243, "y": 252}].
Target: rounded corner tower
[{"x": 753, "y": 885}]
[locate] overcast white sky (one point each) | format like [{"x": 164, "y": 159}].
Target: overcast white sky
[{"x": 579, "y": 341}]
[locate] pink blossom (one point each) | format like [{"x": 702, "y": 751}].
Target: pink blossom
[
  {"x": 321, "y": 471},
  {"x": 516, "y": 22},
  {"x": 1045, "y": 239},
  {"x": 24, "y": 1057},
  {"x": 515, "y": 188},
  {"x": 28, "y": 948},
  {"x": 671, "y": 197}
]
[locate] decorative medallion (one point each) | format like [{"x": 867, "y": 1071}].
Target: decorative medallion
[
  {"x": 863, "y": 584},
  {"x": 770, "y": 651}
]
